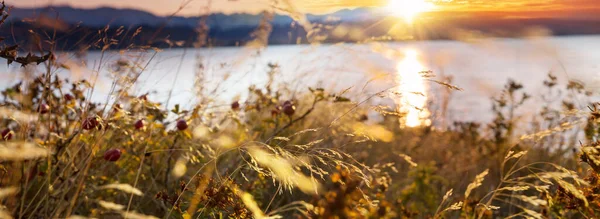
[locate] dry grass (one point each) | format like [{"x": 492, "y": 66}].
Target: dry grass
[{"x": 280, "y": 154}]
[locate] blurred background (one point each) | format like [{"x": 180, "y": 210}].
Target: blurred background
[{"x": 479, "y": 44}]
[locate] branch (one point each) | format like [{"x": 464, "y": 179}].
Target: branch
[
  {"x": 292, "y": 122},
  {"x": 10, "y": 53}
]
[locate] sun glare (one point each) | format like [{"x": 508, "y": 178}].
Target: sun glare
[
  {"x": 413, "y": 101},
  {"x": 408, "y": 9}
]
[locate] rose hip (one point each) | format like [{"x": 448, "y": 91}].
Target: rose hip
[
  {"x": 44, "y": 108},
  {"x": 289, "y": 109},
  {"x": 182, "y": 125},
  {"x": 235, "y": 105},
  {"x": 112, "y": 155},
  {"x": 6, "y": 134},
  {"x": 140, "y": 124},
  {"x": 90, "y": 123}
]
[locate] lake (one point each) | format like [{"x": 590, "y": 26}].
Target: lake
[{"x": 480, "y": 68}]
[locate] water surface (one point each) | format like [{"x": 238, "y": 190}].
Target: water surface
[{"x": 481, "y": 68}]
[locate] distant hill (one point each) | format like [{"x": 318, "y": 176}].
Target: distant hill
[
  {"x": 100, "y": 17},
  {"x": 80, "y": 26}
]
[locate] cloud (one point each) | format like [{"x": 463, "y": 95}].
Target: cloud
[{"x": 545, "y": 7}]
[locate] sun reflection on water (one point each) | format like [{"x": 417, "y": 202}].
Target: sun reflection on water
[{"x": 413, "y": 90}]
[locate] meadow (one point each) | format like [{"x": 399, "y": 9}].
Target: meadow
[{"x": 283, "y": 151}]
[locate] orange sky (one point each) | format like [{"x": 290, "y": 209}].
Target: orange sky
[{"x": 532, "y": 8}]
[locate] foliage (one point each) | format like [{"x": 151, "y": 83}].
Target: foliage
[{"x": 281, "y": 153}]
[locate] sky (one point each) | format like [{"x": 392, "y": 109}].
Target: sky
[{"x": 518, "y": 8}]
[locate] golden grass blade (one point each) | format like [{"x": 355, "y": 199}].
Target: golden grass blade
[
  {"x": 111, "y": 205},
  {"x": 284, "y": 171},
  {"x": 179, "y": 169},
  {"x": 17, "y": 151},
  {"x": 376, "y": 132},
  {"x": 248, "y": 200},
  {"x": 200, "y": 132},
  {"x": 447, "y": 195},
  {"x": 79, "y": 217},
  {"x": 515, "y": 188},
  {"x": 573, "y": 190},
  {"x": 512, "y": 155},
  {"x": 454, "y": 207},
  {"x": 5, "y": 215},
  {"x": 409, "y": 160},
  {"x": 17, "y": 115},
  {"x": 123, "y": 187},
  {"x": 7, "y": 191},
  {"x": 135, "y": 215},
  {"x": 490, "y": 207},
  {"x": 560, "y": 128},
  {"x": 475, "y": 184},
  {"x": 533, "y": 214},
  {"x": 533, "y": 200}
]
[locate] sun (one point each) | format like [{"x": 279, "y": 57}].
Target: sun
[{"x": 408, "y": 9}]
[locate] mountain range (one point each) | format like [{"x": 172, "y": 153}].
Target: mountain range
[
  {"x": 100, "y": 17},
  {"x": 237, "y": 29}
]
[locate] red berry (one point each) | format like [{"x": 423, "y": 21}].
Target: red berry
[
  {"x": 44, "y": 108},
  {"x": 275, "y": 112},
  {"x": 182, "y": 125},
  {"x": 90, "y": 123},
  {"x": 140, "y": 124},
  {"x": 69, "y": 97},
  {"x": 289, "y": 109},
  {"x": 7, "y": 134},
  {"x": 235, "y": 105},
  {"x": 112, "y": 155}
]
